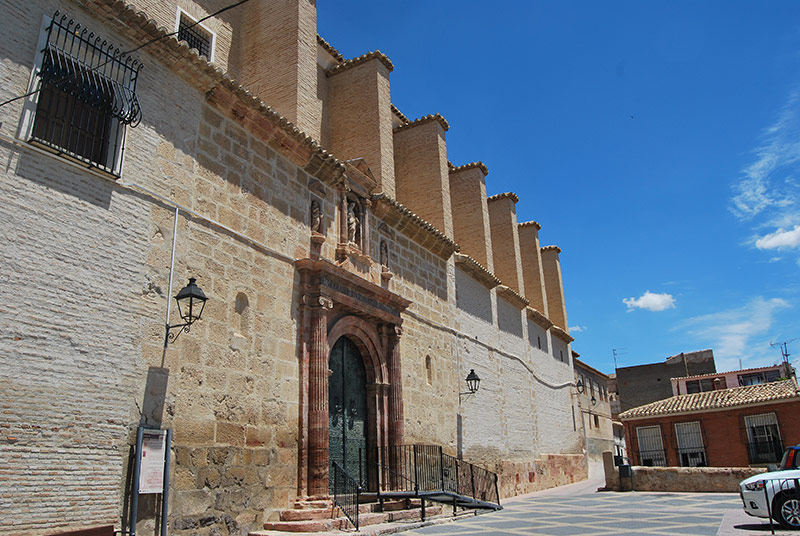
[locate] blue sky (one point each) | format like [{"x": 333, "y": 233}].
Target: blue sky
[{"x": 658, "y": 144}]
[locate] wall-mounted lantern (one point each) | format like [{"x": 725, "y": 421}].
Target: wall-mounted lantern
[
  {"x": 594, "y": 401},
  {"x": 191, "y": 301},
  {"x": 580, "y": 387},
  {"x": 473, "y": 384}
]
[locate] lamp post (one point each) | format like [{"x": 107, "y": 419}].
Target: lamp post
[
  {"x": 191, "y": 301},
  {"x": 580, "y": 387}
]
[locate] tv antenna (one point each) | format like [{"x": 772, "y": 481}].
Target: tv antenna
[
  {"x": 784, "y": 348},
  {"x": 616, "y": 352}
]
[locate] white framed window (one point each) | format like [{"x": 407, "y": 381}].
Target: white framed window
[
  {"x": 763, "y": 438},
  {"x": 691, "y": 450},
  {"x": 651, "y": 447},
  {"x": 83, "y": 94},
  {"x": 196, "y": 35}
]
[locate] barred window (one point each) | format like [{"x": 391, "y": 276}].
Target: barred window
[
  {"x": 86, "y": 95},
  {"x": 195, "y": 36}
]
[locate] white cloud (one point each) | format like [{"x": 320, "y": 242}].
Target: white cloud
[
  {"x": 780, "y": 239},
  {"x": 739, "y": 333},
  {"x": 577, "y": 329},
  {"x": 767, "y": 182},
  {"x": 650, "y": 301}
]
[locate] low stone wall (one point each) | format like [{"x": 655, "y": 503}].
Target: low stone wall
[
  {"x": 699, "y": 479},
  {"x": 677, "y": 479},
  {"x": 549, "y": 471}
]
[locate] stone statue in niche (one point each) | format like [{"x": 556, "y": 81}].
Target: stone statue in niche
[
  {"x": 316, "y": 217},
  {"x": 384, "y": 255},
  {"x": 352, "y": 223}
]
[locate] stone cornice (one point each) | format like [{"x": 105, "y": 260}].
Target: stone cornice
[
  {"x": 399, "y": 114},
  {"x": 227, "y": 94},
  {"x": 348, "y": 64},
  {"x": 539, "y": 318},
  {"x": 513, "y": 296},
  {"x": 504, "y": 195},
  {"x": 401, "y": 218},
  {"x": 477, "y": 271},
  {"x": 552, "y": 248},
  {"x": 330, "y": 49},
  {"x": 561, "y": 334},
  {"x": 472, "y": 165},
  {"x": 425, "y": 119},
  {"x": 531, "y": 223}
]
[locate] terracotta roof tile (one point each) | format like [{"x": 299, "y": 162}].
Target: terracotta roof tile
[
  {"x": 347, "y": 64},
  {"x": 529, "y": 224},
  {"x": 552, "y": 248},
  {"x": 332, "y": 51},
  {"x": 399, "y": 114},
  {"x": 477, "y": 270},
  {"x": 714, "y": 400},
  {"x": 510, "y": 195},
  {"x": 425, "y": 119},
  {"x": 480, "y": 165}
]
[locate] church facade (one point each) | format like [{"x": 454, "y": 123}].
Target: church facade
[{"x": 355, "y": 276}]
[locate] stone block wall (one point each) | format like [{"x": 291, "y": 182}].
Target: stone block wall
[
  {"x": 549, "y": 471},
  {"x": 691, "y": 479}
]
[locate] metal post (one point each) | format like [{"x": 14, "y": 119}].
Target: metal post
[
  {"x": 441, "y": 467},
  {"x": 137, "y": 466},
  {"x": 165, "y": 493},
  {"x": 472, "y": 478},
  {"x": 416, "y": 476},
  {"x": 769, "y": 507},
  {"x": 496, "y": 490}
]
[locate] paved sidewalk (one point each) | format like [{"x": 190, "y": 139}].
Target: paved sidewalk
[{"x": 580, "y": 510}]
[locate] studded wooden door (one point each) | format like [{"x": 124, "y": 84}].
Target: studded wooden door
[{"x": 347, "y": 391}]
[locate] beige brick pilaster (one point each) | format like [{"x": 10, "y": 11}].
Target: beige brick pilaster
[
  {"x": 505, "y": 240},
  {"x": 471, "y": 212}
]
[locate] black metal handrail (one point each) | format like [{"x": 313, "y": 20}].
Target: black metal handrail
[
  {"x": 346, "y": 493},
  {"x": 423, "y": 469},
  {"x": 769, "y": 451}
]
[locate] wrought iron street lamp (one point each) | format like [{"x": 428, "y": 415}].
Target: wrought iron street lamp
[
  {"x": 594, "y": 401},
  {"x": 191, "y": 301},
  {"x": 473, "y": 384},
  {"x": 580, "y": 387}
]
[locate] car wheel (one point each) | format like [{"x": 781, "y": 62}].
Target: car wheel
[{"x": 787, "y": 511}]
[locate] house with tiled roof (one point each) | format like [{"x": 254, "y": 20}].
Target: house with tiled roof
[{"x": 726, "y": 427}]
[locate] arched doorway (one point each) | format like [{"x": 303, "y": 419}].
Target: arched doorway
[{"x": 347, "y": 409}]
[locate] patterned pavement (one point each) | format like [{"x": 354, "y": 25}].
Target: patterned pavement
[{"x": 587, "y": 512}]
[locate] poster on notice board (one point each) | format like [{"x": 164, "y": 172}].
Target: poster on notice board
[{"x": 151, "y": 476}]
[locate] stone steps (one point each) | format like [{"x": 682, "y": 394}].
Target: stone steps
[{"x": 313, "y": 519}]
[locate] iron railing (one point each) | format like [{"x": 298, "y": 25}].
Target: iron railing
[
  {"x": 652, "y": 458},
  {"x": 428, "y": 469},
  {"x": 346, "y": 493},
  {"x": 765, "y": 451},
  {"x": 87, "y": 93},
  {"x": 693, "y": 457}
]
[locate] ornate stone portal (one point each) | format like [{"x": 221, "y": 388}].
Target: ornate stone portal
[{"x": 336, "y": 303}]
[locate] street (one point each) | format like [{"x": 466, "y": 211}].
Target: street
[{"x": 580, "y": 510}]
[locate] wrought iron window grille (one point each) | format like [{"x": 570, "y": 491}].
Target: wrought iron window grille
[
  {"x": 87, "y": 94},
  {"x": 195, "y": 36}
]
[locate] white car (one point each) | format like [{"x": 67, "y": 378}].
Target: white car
[{"x": 776, "y": 493}]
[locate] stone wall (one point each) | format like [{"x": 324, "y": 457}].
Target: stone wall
[
  {"x": 549, "y": 471},
  {"x": 691, "y": 479}
]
